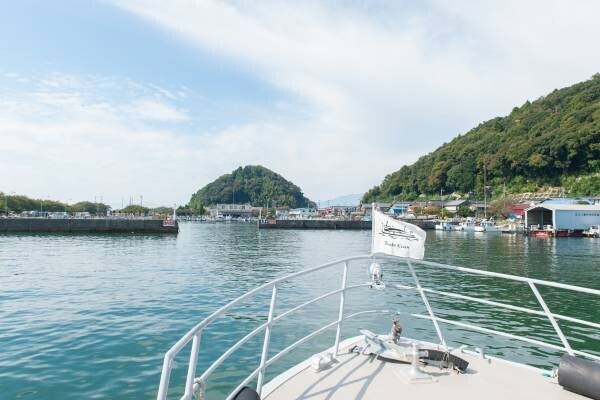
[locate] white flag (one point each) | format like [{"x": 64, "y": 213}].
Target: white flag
[{"x": 396, "y": 238}]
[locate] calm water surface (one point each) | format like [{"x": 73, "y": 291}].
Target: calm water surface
[{"x": 84, "y": 316}]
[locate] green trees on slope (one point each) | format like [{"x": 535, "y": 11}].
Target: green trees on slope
[
  {"x": 251, "y": 184},
  {"x": 546, "y": 142}
]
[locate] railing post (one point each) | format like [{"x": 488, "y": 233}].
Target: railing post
[
  {"x": 426, "y": 302},
  {"x": 559, "y": 332},
  {"x": 191, "y": 374},
  {"x": 165, "y": 376},
  {"x": 338, "y": 332},
  {"x": 265, "y": 350}
]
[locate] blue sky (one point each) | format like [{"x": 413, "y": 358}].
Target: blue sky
[{"x": 133, "y": 97}]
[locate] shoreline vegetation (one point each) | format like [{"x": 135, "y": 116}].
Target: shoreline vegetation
[
  {"x": 17, "y": 203},
  {"x": 553, "y": 141}
]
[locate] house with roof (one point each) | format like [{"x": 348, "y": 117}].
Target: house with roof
[
  {"x": 518, "y": 210},
  {"x": 453, "y": 205},
  {"x": 479, "y": 207},
  {"x": 400, "y": 207},
  {"x": 366, "y": 208}
]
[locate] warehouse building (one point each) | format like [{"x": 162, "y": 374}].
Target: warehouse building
[{"x": 561, "y": 219}]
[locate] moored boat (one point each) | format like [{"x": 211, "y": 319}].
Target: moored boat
[
  {"x": 593, "y": 231},
  {"x": 486, "y": 226},
  {"x": 444, "y": 226}
]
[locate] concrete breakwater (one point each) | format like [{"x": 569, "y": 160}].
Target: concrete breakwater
[
  {"x": 93, "y": 225},
  {"x": 329, "y": 224}
]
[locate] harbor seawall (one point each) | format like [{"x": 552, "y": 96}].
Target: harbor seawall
[
  {"x": 329, "y": 224},
  {"x": 94, "y": 225}
]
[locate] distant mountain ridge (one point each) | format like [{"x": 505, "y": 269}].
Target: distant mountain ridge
[
  {"x": 347, "y": 200},
  {"x": 252, "y": 184},
  {"x": 553, "y": 141}
]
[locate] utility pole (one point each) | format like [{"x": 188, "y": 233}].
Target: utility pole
[
  {"x": 484, "y": 189},
  {"x": 442, "y": 199}
]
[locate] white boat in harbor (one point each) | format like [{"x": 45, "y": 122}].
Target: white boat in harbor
[
  {"x": 444, "y": 226},
  {"x": 372, "y": 366},
  {"x": 511, "y": 228},
  {"x": 593, "y": 231},
  {"x": 467, "y": 226},
  {"x": 486, "y": 226}
]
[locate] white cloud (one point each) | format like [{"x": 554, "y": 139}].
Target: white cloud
[
  {"x": 388, "y": 82},
  {"x": 373, "y": 87},
  {"x": 153, "y": 110},
  {"x": 64, "y": 139}
]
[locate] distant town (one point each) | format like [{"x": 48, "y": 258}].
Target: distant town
[{"x": 531, "y": 214}]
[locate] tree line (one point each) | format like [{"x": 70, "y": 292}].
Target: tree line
[
  {"x": 18, "y": 203},
  {"x": 553, "y": 141}
]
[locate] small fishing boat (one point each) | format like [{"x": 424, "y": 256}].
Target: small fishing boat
[
  {"x": 546, "y": 231},
  {"x": 468, "y": 225},
  {"x": 593, "y": 231},
  {"x": 486, "y": 226},
  {"x": 444, "y": 226},
  {"x": 371, "y": 366},
  {"x": 511, "y": 228}
]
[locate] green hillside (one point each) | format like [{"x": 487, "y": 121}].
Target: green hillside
[
  {"x": 252, "y": 184},
  {"x": 553, "y": 141}
]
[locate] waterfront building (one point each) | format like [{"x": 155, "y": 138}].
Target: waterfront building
[
  {"x": 338, "y": 211},
  {"x": 566, "y": 200},
  {"x": 518, "y": 210},
  {"x": 303, "y": 213},
  {"x": 367, "y": 208},
  {"x": 562, "y": 219},
  {"x": 282, "y": 214},
  {"x": 401, "y": 207},
  {"x": 479, "y": 207},
  {"x": 232, "y": 210},
  {"x": 435, "y": 203}
]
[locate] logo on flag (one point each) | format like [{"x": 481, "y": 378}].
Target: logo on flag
[{"x": 396, "y": 238}]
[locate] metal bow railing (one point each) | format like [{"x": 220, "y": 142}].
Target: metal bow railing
[{"x": 195, "y": 384}]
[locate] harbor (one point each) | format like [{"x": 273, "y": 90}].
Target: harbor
[
  {"x": 552, "y": 217},
  {"x": 334, "y": 224}
]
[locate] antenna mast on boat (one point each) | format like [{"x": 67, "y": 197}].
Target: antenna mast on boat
[{"x": 484, "y": 189}]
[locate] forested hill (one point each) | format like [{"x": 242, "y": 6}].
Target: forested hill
[
  {"x": 252, "y": 184},
  {"x": 553, "y": 141}
]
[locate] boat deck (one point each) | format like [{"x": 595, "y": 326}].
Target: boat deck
[{"x": 357, "y": 376}]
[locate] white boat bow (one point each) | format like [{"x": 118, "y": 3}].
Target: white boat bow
[{"x": 361, "y": 376}]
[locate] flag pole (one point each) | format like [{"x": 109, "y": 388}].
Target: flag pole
[{"x": 372, "y": 227}]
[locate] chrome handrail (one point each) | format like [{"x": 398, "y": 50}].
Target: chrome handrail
[{"x": 195, "y": 333}]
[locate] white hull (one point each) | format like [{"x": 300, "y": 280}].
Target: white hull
[{"x": 353, "y": 374}]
